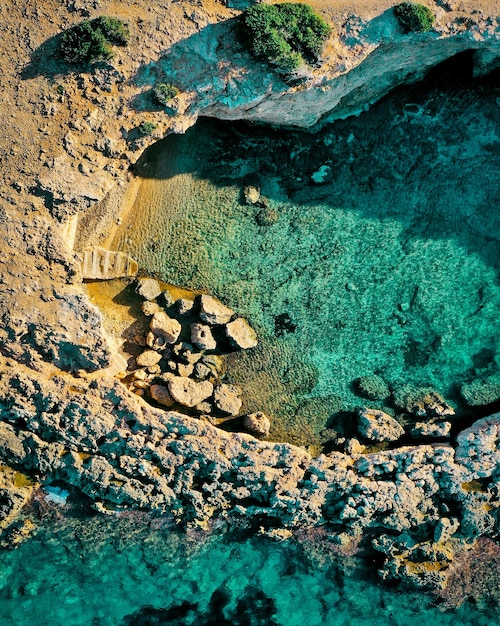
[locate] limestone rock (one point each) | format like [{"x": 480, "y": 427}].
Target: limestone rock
[
  {"x": 148, "y": 358},
  {"x": 445, "y": 529},
  {"x": 148, "y": 288},
  {"x": 251, "y": 194},
  {"x": 201, "y": 336},
  {"x": 157, "y": 342},
  {"x": 212, "y": 311},
  {"x": 481, "y": 392},
  {"x": 189, "y": 392},
  {"x": 241, "y": 335},
  {"x": 165, "y": 326},
  {"x": 150, "y": 308},
  {"x": 423, "y": 430},
  {"x": 160, "y": 394},
  {"x": 183, "y": 306},
  {"x": 257, "y": 424},
  {"x": 227, "y": 399},
  {"x": 377, "y": 426},
  {"x": 422, "y": 402}
]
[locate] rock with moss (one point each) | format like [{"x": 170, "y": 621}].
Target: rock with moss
[
  {"x": 422, "y": 402},
  {"x": 481, "y": 392},
  {"x": 372, "y": 387}
]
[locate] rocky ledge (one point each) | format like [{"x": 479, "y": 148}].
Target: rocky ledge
[{"x": 419, "y": 504}]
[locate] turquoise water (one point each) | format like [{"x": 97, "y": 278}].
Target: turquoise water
[
  {"x": 390, "y": 267},
  {"x": 100, "y": 571}
]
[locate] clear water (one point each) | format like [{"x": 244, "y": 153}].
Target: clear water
[
  {"x": 389, "y": 268},
  {"x": 99, "y": 571}
]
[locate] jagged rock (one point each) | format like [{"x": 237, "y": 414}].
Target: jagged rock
[
  {"x": 373, "y": 387},
  {"x": 183, "y": 306},
  {"x": 148, "y": 358},
  {"x": 157, "y": 342},
  {"x": 150, "y": 308},
  {"x": 161, "y": 394},
  {"x": 163, "y": 325},
  {"x": 251, "y": 194},
  {"x": 353, "y": 446},
  {"x": 227, "y": 399},
  {"x": 189, "y": 392},
  {"x": 184, "y": 352},
  {"x": 241, "y": 335},
  {"x": 422, "y": 402},
  {"x": 202, "y": 371},
  {"x": 376, "y": 425},
  {"x": 185, "y": 369},
  {"x": 148, "y": 288},
  {"x": 479, "y": 447},
  {"x": 212, "y": 311},
  {"x": 445, "y": 529},
  {"x": 257, "y": 424},
  {"x": 201, "y": 336},
  {"x": 423, "y": 430}
]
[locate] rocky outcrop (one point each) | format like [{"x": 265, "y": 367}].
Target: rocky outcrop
[
  {"x": 124, "y": 453},
  {"x": 378, "y": 426}
]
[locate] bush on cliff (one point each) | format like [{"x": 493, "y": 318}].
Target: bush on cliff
[
  {"x": 285, "y": 35},
  {"x": 91, "y": 40},
  {"x": 164, "y": 92},
  {"x": 413, "y": 17}
]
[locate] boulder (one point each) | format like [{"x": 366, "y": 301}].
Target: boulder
[
  {"x": 241, "y": 335},
  {"x": 201, "y": 336},
  {"x": 189, "y": 392},
  {"x": 163, "y": 325},
  {"x": 227, "y": 399},
  {"x": 148, "y": 358},
  {"x": 422, "y": 402},
  {"x": 267, "y": 217},
  {"x": 257, "y": 424},
  {"x": 157, "y": 342},
  {"x": 148, "y": 288},
  {"x": 377, "y": 426},
  {"x": 161, "y": 394},
  {"x": 212, "y": 311}
]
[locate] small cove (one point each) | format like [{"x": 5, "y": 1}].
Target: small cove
[{"x": 389, "y": 267}]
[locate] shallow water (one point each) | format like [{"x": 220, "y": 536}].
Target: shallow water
[
  {"x": 391, "y": 267},
  {"x": 101, "y": 571}
]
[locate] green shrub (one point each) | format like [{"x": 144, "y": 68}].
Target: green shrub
[
  {"x": 113, "y": 29},
  {"x": 413, "y": 17},
  {"x": 164, "y": 92},
  {"x": 91, "y": 40},
  {"x": 146, "y": 128},
  {"x": 285, "y": 35}
]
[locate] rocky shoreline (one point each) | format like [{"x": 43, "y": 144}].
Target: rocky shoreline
[{"x": 418, "y": 505}]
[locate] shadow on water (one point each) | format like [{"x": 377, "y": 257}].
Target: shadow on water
[{"x": 412, "y": 156}]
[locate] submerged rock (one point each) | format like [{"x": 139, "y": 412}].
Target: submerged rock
[
  {"x": 422, "y": 402},
  {"x": 481, "y": 392},
  {"x": 372, "y": 387},
  {"x": 257, "y": 424},
  {"x": 251, "y": 194},
  {"x": 227, "y": 398},
  {"x": 378, "y": 426},
  {"x": 322, "y": 175}
]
